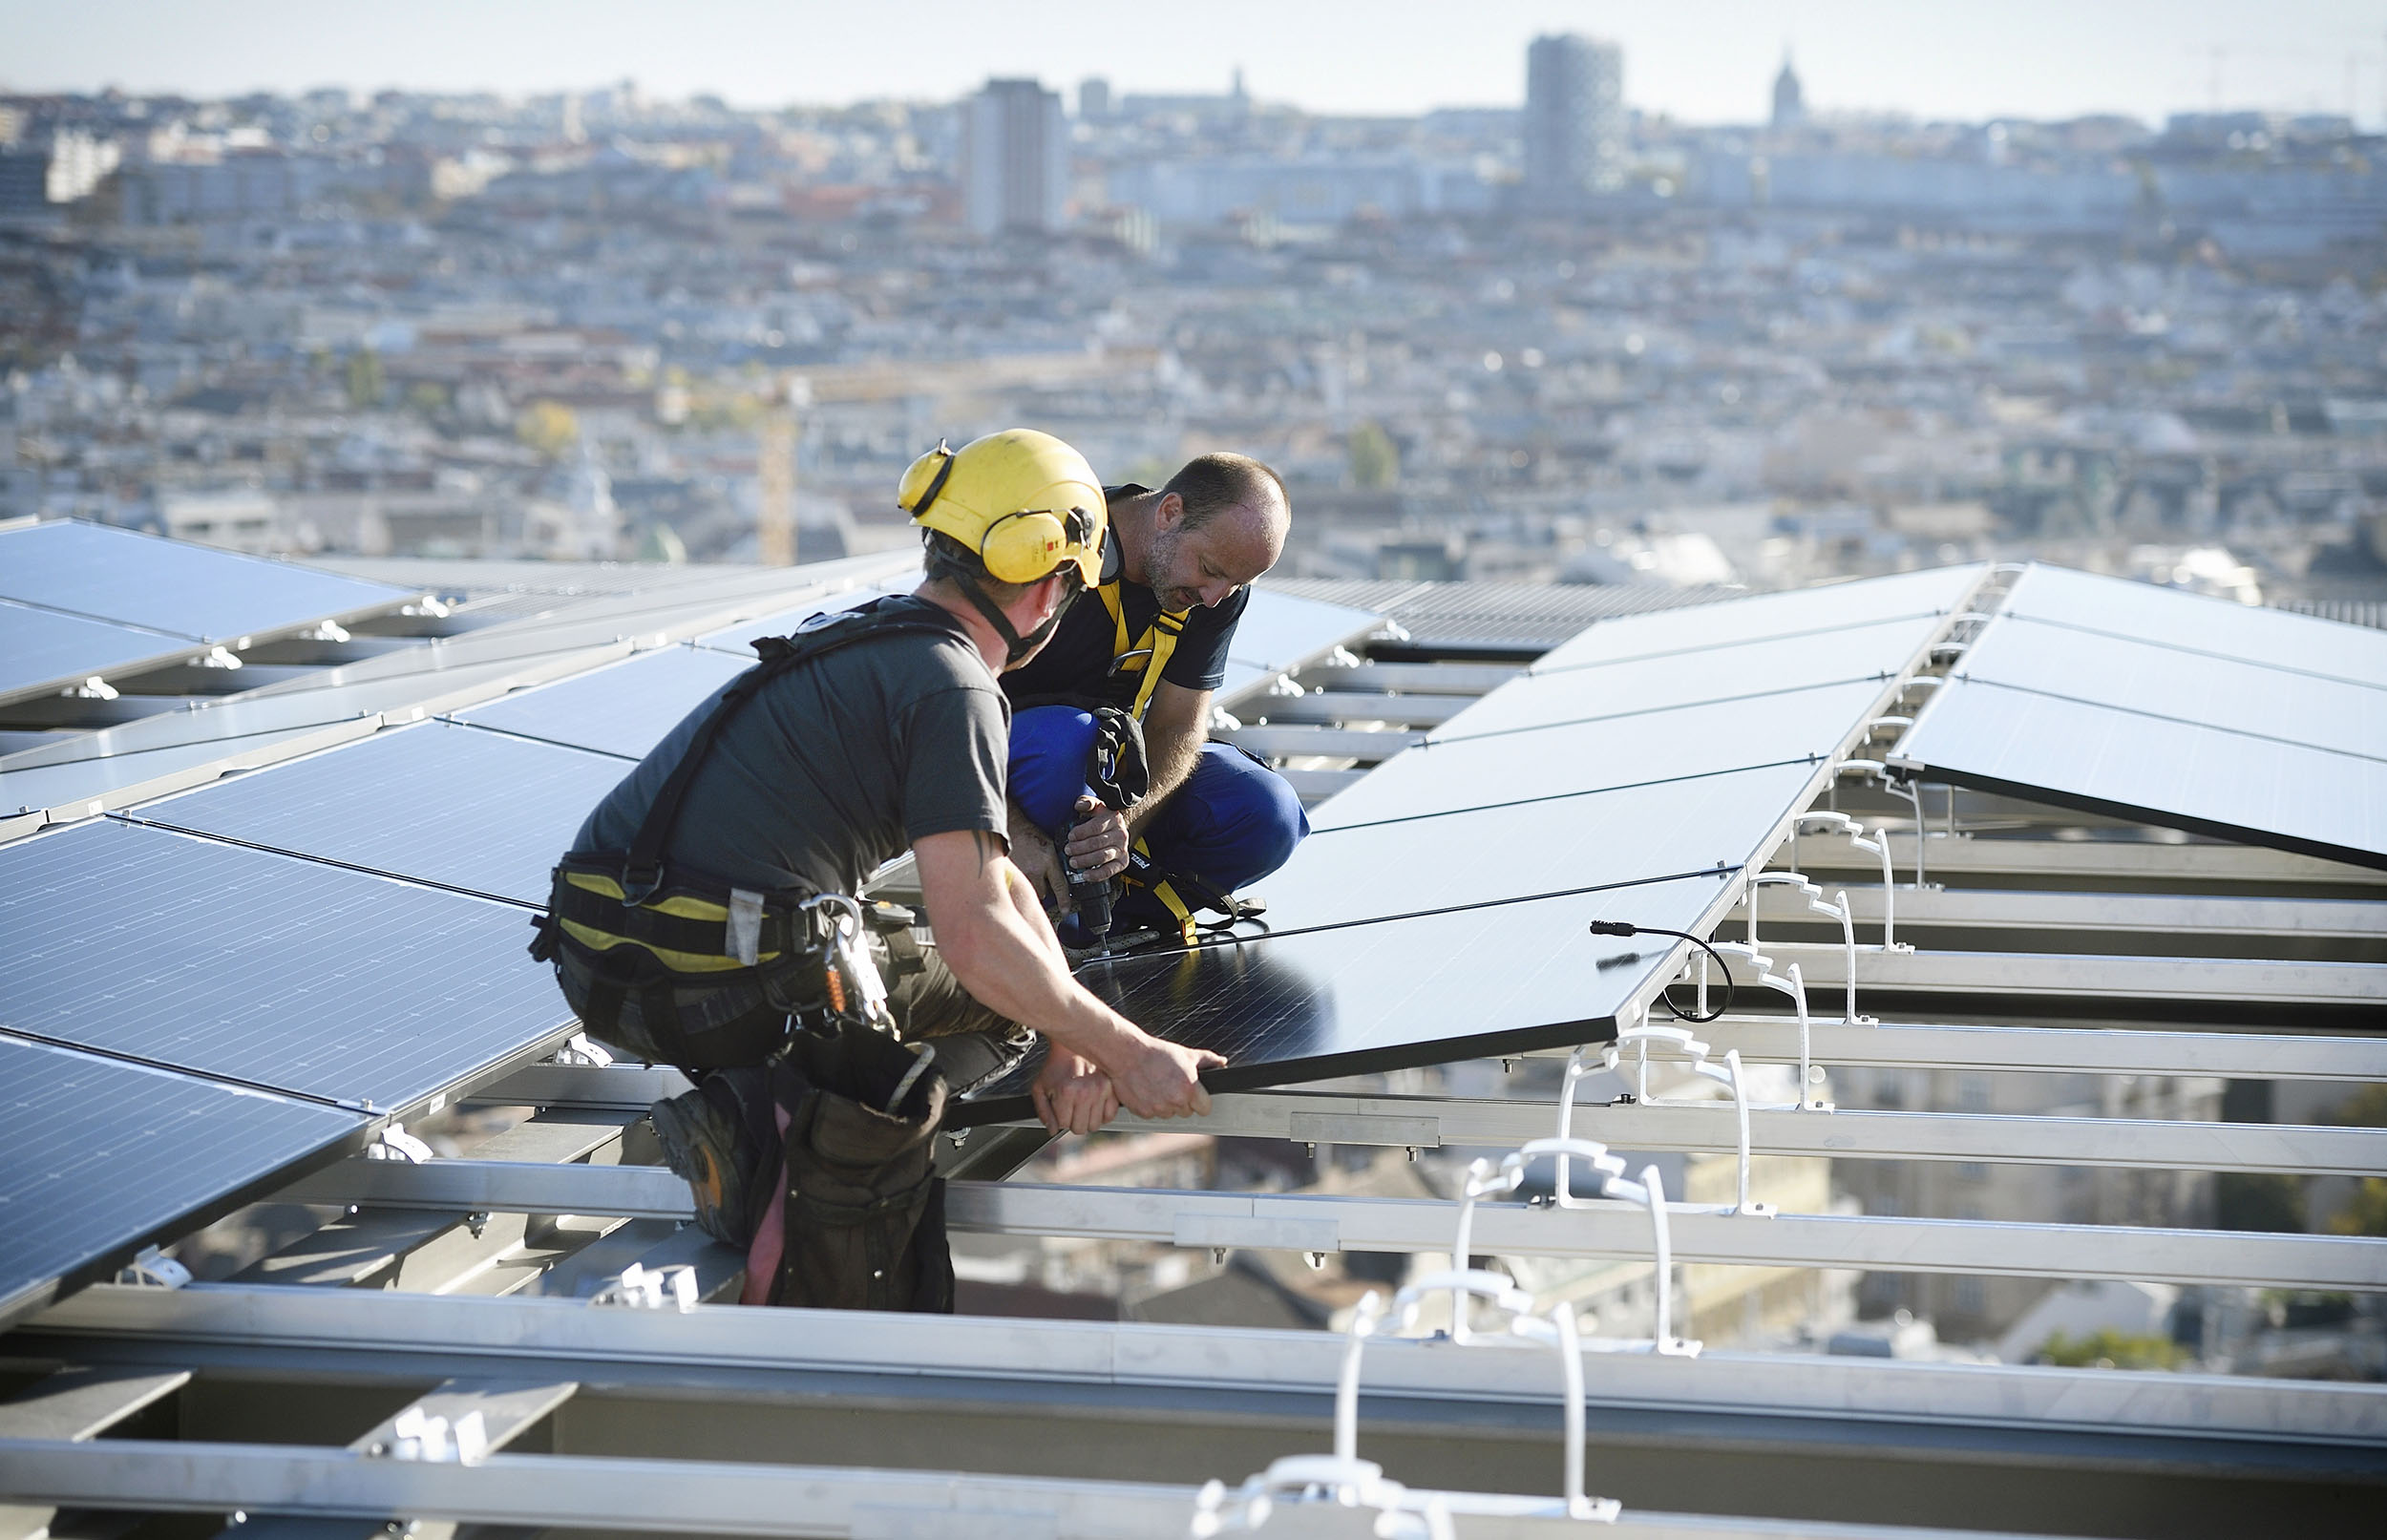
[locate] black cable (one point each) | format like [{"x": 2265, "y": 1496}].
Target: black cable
[{"x": 1619, "y": 927}]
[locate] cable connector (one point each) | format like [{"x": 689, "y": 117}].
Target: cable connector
[
  {"x": 1623, "y": 927},
  {"x": 1614, "y": 927}
]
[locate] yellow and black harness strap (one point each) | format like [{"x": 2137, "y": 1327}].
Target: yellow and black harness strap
[
  {"x": 1147, "y": 654},
  {"x": 686, "y": 932}
]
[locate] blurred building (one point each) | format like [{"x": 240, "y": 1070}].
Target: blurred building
[
  {"x": 1573, "y": 119},
  {"x": 1789, "y": 100},
  {"x": 1014, "y": 158}
]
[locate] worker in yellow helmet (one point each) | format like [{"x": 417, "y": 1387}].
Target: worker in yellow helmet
[{"x": 705, "y": 917}]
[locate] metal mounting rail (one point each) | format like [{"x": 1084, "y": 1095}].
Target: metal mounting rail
[
  {"x": 2137, "y": 860},
  {"x": 2147, "y": 1144},
  {"x": 2086, "y": 976},
  {"x": 1335, "y": 743},
  {"x": 371, "y": 1334},
  {"x": 1605, "y": 1231},
  {"x": 713, "y": 1497},
  {"x": 2199, "y": 915}
]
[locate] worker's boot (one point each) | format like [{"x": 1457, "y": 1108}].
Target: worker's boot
[{"x": 722, "y": 1139}]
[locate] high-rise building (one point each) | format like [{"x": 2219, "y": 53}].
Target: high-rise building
[
  {"x": 1093, "y": 99},
  {"x": 1015, "y": 158},
  {"x": 1789, "y": 100},
  {"x": 1573, "y": 119}
]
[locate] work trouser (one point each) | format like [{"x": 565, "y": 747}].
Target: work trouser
[
  {"x": 735, "y": 1027},
  {"x": 1228, "y": 824}
]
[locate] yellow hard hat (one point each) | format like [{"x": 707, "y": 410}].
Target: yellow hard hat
[{"x": 1025, "y": 501}]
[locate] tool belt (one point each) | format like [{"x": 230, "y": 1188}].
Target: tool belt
[{"x": 691, "y": 949}]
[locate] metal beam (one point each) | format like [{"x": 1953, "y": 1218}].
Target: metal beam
[
  {"x": 2135, "y": 860},
  {"x": 394, "y": 1334},
  {"x": 1604, "y": 1231},
  {"x": 1425, "y": 1122},
  {"x": 1326, "y": 707},
  {"x": 2249, "y": 982},
  {"x": 74, "y": 1404},
  {"x": 2189, "y": 915},
  {"x": 716, "y": 1497},
  {"x": 1332, "y": 743},
  {"x": 1417, "y": 678},
  {"x": 2052, "y": 1050}
]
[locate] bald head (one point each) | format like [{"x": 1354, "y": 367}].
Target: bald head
[{"x": 1219, "y": 522}]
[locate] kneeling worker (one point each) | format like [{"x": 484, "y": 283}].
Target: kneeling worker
[
  {"x": 1151, "y": 642},
  {"x": 699, "y": 920}
]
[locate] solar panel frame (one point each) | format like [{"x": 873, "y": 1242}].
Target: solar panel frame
[
  {"x": 43, "y": 651},
  {"x": 1766, "y": 616},
  {"x": 1278, "y": 632},
  {"x": 99, "y": 1157},
  {"x": 622, "y": 709},
  {"x": 2198, "y": 623},
  {"x": 196, "y": 593},
  {"x": 286, "y": 975}
]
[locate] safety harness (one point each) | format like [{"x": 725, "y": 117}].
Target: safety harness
[
  {"x": 1146, "y": 655},
  {"x": 643, "y": 930}
]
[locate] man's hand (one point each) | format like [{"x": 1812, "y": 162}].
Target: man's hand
[
  {"x": 1034, "y": 855},
  {"x": 1098, "y": 842},
  {"x": 1157, "y": 1080},
  {"x": 1070, "y": 1094}
]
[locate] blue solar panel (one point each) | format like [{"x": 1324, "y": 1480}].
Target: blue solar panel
[
  {"x": 98, "y": 1157},
  {"x": 2195, "y": 623},
  {"x": 190, "y": 590},
  {"x": 1564, "y": 762},
  {"x": 42, "y": 650},
  {"x": 1762, "y": 616},
  {"x": 282, "y": 972},
  {"x": 1539, "y": 701},
  {"x": 625, "y": 710},
  {"x": 440, "y": 803}
]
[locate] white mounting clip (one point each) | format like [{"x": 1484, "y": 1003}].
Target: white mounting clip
[
  {"x": 1694, "y": 1052},
  {"x": 584, "y": 1051},
  {"x": 153, "y": 1269},
  {"x": 394, "y": 1143},
  {"x": 641, "y": 1287},
  {"x": 431, "y": 1439},
  {"x": 1837, "y": 910}
]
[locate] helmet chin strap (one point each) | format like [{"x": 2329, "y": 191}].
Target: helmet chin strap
[{"x": 1016, "y": 648}]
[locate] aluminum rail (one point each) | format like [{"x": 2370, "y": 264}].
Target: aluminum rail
[
  {"x": 716, "y": 1497},
  {"x": 1425, "y": 1122},
  {"x": 1603, "y": 1231},
  {"x": 2136, "y": 860},
  {"x": 2087, "y": 976},
  {"x": 2199, "y": 915},
  {"x": 370, "y": 1332}
]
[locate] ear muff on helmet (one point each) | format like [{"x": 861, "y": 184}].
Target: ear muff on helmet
[{"x": 1024, "y": 500}]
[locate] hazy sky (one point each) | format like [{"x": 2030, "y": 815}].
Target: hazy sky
[{"x": 1705, "y": 60}]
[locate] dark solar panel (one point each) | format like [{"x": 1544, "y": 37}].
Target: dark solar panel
[
  {"x": 1656, "y": 829},
  {"x": 1279, "y": 631},
  {"x": 2178, "y": 774},
  {"x": 195, "y": 592},
  {"x": 284, "y": 973},
  {"x": 1541, "y": 700},
  {"x": 1364, "y": 999},
  {"x": 1657, "y": 745},
  {"x": 441, "y": 803},
  {"x": 98, "y": 1157},
  {"x": 1762, "y": 615},
  {"x": 624, "y": 709},
  {"x": 43, "y": 649}
]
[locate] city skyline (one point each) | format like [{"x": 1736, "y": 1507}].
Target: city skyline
[{"x": 1709, "y": 63}]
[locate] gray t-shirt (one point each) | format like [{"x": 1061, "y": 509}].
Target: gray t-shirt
[{"x": 837, "y": 766}]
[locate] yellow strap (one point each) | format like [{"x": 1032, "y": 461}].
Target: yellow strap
[
  {"x": 1177, "y": 906},
  {"x": 1149, "y": 653}
]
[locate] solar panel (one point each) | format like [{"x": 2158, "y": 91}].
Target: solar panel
[
  {"x": 1491, "y": 853},
  {"x": 98, "y": 1157},
  {"x": 42, "y": 650},
  {"x": 2290, "y": 705},
  {"x": 195, "y": 592},
  {"x": 625, "y": 709},
  {"x": 740, "y": 638},
  {"x": 2153, "y": 770},
  {"x": 1279, "y": 631},
  {"x": 285, "y": 974},
  {"x": 1764, "y": 616},
  {"x": 1565, "y": 762},
  {"x": 2193, "y": 623},
  {"x": 439, "y": 803},
  {"x": 1391, "y": 995},
  {"x": 1539, "y": 701}
]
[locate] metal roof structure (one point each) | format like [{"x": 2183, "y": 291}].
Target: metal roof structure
[{"x": 520, "y": 1336}]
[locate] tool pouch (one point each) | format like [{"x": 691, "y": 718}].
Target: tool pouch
[{"x": 864, "y": 1221}]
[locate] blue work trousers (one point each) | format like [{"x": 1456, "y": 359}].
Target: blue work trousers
[{"x": 1231, "y": 822}]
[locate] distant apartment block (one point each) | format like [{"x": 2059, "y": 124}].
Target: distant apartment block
[
  {"x": 1015, "y": 161},
  {"x": 1573, "y": 119}
]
